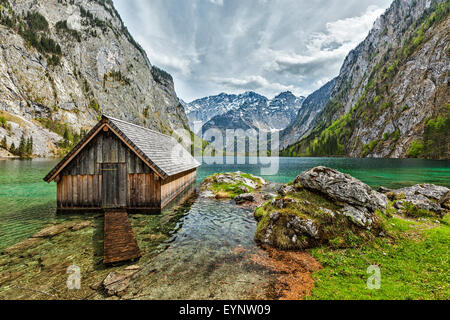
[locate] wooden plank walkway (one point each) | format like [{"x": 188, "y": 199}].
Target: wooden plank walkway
[{"x": 119, "y": 241}]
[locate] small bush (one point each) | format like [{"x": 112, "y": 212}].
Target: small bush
[{"x": 416, "y": 149}]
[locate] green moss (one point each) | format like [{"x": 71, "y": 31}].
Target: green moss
[
  {"x": 413, "y": 211},
  {"x": 230, "y": 190},
  {"x": 259, "y": 213},
  {"x": 368, "y": 148},
  {"x": 336, "y": 230}
]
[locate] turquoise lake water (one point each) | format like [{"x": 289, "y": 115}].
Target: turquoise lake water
[{"x": 27, "y": 203}]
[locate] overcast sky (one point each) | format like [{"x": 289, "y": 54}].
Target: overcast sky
[{"x": 267, "y": 46}]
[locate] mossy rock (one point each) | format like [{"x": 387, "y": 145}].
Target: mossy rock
[
  {"x": 304, "y": 219},
  {"x": 230, "y": 185}
]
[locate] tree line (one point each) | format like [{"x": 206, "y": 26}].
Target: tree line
[{"x": 24, "y": 150}]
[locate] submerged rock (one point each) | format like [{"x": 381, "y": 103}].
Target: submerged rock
[
  {"x": 116, "y": 283},
  {"x": 342, "y": 187},
  {"x": 81, "y": 225},
  {"x": 22, "y": 246},
  {"x": 51, "y": 231}
]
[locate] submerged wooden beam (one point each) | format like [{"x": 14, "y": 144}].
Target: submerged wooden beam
[{"x": 119, "y": 242}]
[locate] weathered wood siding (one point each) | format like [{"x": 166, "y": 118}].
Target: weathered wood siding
[
  {"x": 144, "y": 191},
  {"x": 81, "y": 182},
  {"x": 173, "y": 186}
]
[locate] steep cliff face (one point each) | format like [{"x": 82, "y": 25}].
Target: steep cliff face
[
  {"x": 245, "y": 111},
  {"x": 65, "y": 62},
  {"x": 312, "y": 107},
  {"x": 391, "y": 96}
]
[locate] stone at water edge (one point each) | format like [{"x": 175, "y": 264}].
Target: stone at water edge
[
  {"x": 427, "y": 197},
  {"x": 245, "y": 197},
  {"x": 283, "y": 203},
  {"x": 285, "y": 189},
  {"x": 428, "y": 190},
  {"x": 445, "y": 201},
  {"x": 342, "y": 187},
  {"x": 232, "y": 179},
  {"x": 321, "y": 205}
]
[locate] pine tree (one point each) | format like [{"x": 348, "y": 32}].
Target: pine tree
[
  {"x": 4, "y": 143},
  {"x": 12, "y": 149},
  {"x": 22, "y": 146},
  {"x": 66, "y": 135},
  {"x": 29, "y": 148}
]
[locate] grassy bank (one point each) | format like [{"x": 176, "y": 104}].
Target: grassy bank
[{"x": 413, "y": 261}]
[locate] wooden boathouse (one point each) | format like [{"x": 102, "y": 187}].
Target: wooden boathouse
[
  {"x": 119, "y": 165},
  {"x": 120, "y": 168}
]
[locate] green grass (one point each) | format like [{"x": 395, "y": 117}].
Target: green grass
[
  {"x": 232, "y": 189},
  {"x": 413, "y": 261}
]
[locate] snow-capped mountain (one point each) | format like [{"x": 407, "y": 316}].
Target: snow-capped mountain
[{"x": 244, "y": 111}]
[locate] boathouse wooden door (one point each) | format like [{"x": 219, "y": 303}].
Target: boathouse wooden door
[{"x": 114, "y": 185}]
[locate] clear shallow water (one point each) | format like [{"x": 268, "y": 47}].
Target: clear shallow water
[
  {"x": 208, "y": 258},
  {"x": 27, "y": 203}
]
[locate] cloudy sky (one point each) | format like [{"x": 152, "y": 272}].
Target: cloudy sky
[{"x": 267, "y": 46}]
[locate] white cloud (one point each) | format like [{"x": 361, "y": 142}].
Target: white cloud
[
  {"x": 328, "y": 49},
  {"x": 212, "y": 46},
  {"x": 253, "y": 83},
  {"x": 218, "y": 2}
]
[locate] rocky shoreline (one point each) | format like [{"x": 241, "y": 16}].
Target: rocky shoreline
[{"x": 323, "y": 206}]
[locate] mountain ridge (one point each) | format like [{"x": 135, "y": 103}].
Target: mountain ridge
[
  {"x": 248, "y": 110},
  {"x": 390, "y": 98},
  {"x": 64, "y": 63}
]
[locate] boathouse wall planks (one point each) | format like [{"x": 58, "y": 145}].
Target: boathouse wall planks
[
  {"x": 135, "y": 186},
  {"x": 107, "y": 170}
]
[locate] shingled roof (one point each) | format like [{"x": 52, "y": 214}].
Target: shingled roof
[{"x": 161, "y": 151}]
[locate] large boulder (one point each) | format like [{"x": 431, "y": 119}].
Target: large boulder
[
  {"x": 322, "y": 207},
  {"x": 426, "y": 197},
  {"x": 342, "y": 187}
]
